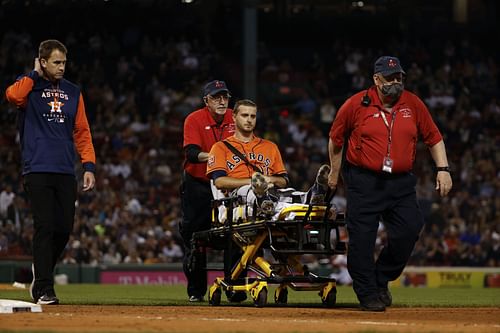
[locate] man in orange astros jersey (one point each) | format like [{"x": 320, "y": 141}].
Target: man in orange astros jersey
[
  {"x": 250, "y": 166},
  {"x": 259, "y": 166},
  {"x": 254, "y": 165}
]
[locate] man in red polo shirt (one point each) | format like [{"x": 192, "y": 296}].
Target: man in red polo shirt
[
  {"x": 202, "y": 129},
  {"x": 380, "y": 127}
]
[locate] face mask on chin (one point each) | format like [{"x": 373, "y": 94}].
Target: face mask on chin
[{"x": 392, "y": 90}]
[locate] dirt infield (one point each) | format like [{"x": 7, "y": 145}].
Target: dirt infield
[{"x": 71, "y": 318}]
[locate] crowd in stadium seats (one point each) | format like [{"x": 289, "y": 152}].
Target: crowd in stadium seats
[{"x": 136, "y": 104}]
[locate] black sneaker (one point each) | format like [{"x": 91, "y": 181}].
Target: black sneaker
[
  {"x": 236, "y": 296},
  {"x": 385, "y": 296},
  {"x": 372, "y": 304},
  {"x": 48, "y": 298},
  {"x": 196, "y": 299}
]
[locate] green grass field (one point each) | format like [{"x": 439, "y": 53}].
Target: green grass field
[{"x": 101, "y": 294}]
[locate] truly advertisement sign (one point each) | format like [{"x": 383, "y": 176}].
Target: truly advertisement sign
[
  {"x": 449, "y": 277},
  {"x": 455, "y": 279}
]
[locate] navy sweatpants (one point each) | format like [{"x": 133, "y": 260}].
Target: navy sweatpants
[{"x": 372, "y": 197}]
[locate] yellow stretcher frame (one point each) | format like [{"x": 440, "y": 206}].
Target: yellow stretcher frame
[{"x": 299, "y": 229}]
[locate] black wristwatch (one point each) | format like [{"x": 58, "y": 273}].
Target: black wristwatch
[{"x": 445, "y": 168}]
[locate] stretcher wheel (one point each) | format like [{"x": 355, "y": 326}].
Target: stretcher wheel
[
  {"x": 281, "y": 295},
  {"x": 215, "y": 297},
  {"x": 331, "y": 298},
  {"x": 261, "y": 298}
]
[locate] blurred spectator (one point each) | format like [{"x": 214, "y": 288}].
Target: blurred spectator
[
  {"x": 7, "y": 204},
  {"x": 340, "y": 272}
]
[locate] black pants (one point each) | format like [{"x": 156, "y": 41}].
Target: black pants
[
  {"x": 52, "y": 198},
  {"x": 196, "y": 201},
  {"x": 371, "y": 197}
]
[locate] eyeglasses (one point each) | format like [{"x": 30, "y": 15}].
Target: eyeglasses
[
  {"x": 219, "y": 97},
  {"x": 393, "y": 77}
]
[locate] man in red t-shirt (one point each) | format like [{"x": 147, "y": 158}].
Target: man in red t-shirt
[
  {"x": 202, "y": 129},
  {"x": 379, "y": 129}
]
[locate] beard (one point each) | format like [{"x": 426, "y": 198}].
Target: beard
[{"x": 245, "y": 130}]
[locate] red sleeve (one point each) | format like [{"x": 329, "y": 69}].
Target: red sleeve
[
  {"x": 191, "y": 132},
  {"x": 82, "y": 136},
  {"x": 340, "y": 125},
  {"x": 18, "y": 92},
  {"x": 425, "y": 124}
]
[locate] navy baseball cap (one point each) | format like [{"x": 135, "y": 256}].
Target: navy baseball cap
[
  {"x": 387, "y": 65},
  {"x": 214, "y": 87}
]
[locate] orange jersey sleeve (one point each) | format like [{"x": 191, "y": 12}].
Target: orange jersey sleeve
[
  {"x": 82, "y": 136},
  {"x": 18, "y": 92},
  {"x": 217, "y": 158}
]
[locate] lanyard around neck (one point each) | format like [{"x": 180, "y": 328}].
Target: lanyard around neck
[
  {"x": 220, "y": 129},
  {"x": 389, "y": 129}
]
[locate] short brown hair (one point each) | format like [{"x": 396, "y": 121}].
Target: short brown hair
[
  {"x": 243, "y": 102},
  {"x": 47, "y": 46}
]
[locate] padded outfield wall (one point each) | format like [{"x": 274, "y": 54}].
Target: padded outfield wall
[{"x": 436, "y": 277}]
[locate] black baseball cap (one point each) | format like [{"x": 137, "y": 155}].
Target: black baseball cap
[
  {"x": 387, "y": 65},
  {"x": 214, "y": 87}
]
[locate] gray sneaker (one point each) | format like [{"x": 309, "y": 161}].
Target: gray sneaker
[
  {"x": 320, "y": 187},
  {"x": 259, "y": 184},
  {"x": 322, "y": 176},
  {"x": 267, "y": 207}
]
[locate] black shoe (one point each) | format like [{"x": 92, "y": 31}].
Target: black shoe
[
  {"x": 372, "y": 304},
  {"x": 385, "y": 296},
  {"x": 196, "y": 299},
  {"x": 48, "y": 298},
  {"x": 236, "y": 296}
]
